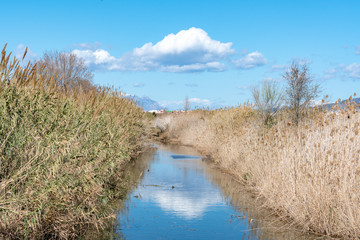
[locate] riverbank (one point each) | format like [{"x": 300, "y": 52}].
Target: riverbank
[
  {"x": 63, "y": 153},
  {"x": 307, "y": 174}
]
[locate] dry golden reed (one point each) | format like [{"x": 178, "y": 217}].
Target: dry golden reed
[{"x": 309, "y": 174}]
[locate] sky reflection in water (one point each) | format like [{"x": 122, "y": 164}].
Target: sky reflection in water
[{"x": 177, "y": 199}]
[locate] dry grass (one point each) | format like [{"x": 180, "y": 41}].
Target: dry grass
[
  {"x": 308, "y": 174},
  {"x": 62, "y": 153}
]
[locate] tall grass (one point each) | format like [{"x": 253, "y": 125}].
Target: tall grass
[
  {"x": 308, "y": 174},
  {"x": 62, "y": 153}
]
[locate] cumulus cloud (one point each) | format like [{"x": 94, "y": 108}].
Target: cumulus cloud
[
  {"x": 251, "y": 60},
  {"x": 185, "y": 48},
  {"x": 99, "y": 59},
  {"x": 353, "y": 70},
  {"x": 189, "y": 50}
]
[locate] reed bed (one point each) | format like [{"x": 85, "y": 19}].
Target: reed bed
[
  {"x": 62, "y": 153},
  {"x": 309, "y": 174}
]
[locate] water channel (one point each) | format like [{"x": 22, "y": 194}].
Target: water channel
[{"x": 179, "y": 195}]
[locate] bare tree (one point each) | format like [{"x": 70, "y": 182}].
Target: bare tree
[
  {"x": 268, "y": 100},
  {"x": 301, "y": 89},
  {"x": 67, "y": 68}
]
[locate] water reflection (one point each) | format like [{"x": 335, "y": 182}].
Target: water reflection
[
  {"x": 181, "y": 188},
  {"x": 187, "y": 198}
]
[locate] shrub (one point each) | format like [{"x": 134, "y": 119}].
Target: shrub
[{"x": 268, "y": 100}]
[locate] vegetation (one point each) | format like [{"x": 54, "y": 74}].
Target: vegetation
[
  {"x": 64, "y": 145},
  {"x": 300, "y": 91},
  {"x": 308, "y": 174},
  {"x": 62, "y": 152},
  {"x": 268, "y": 100},
  {"x": 66, "y": 68}
]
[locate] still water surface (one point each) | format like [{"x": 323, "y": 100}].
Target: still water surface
[{"x": 182, "y": 196}]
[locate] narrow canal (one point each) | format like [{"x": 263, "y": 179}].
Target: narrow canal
[{"x": 179, "y": 195}]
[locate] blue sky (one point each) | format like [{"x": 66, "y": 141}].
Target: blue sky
[{"x": 209, "y": 51}]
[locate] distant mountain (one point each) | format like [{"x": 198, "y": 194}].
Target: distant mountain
[
  {"x": 146, "y": 103},
  {"x": 328, "y": 106}
]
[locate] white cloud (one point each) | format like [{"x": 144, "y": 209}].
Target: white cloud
[
  {"x": 194, "y": 103},
  {"x": 285, "y": 67},
  {"x": 197, "y": 67},
  {"x": 343, "y": 72},
  {"x": 357, "y": 50},
  {"x": 138, "y": 85},
  {"x": 185, "y": 48},
  {"x": 301, "y": 61},
  {"x": 19, "y": 53},
  {"x": 97, "y": 57},
  {"x": 172, "y": 104},
  {"x": 330, "y": 73},
  {"x": 91, "y": 46},
  {"x": 189, "y": 50},
  {"x": 251, "y": 60},
  {"x": 353, "y": 70},
  {"x": 242, "y": 89},
  {"x": 205, "y": 102},
  {"x": 280, "y": 67}
]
